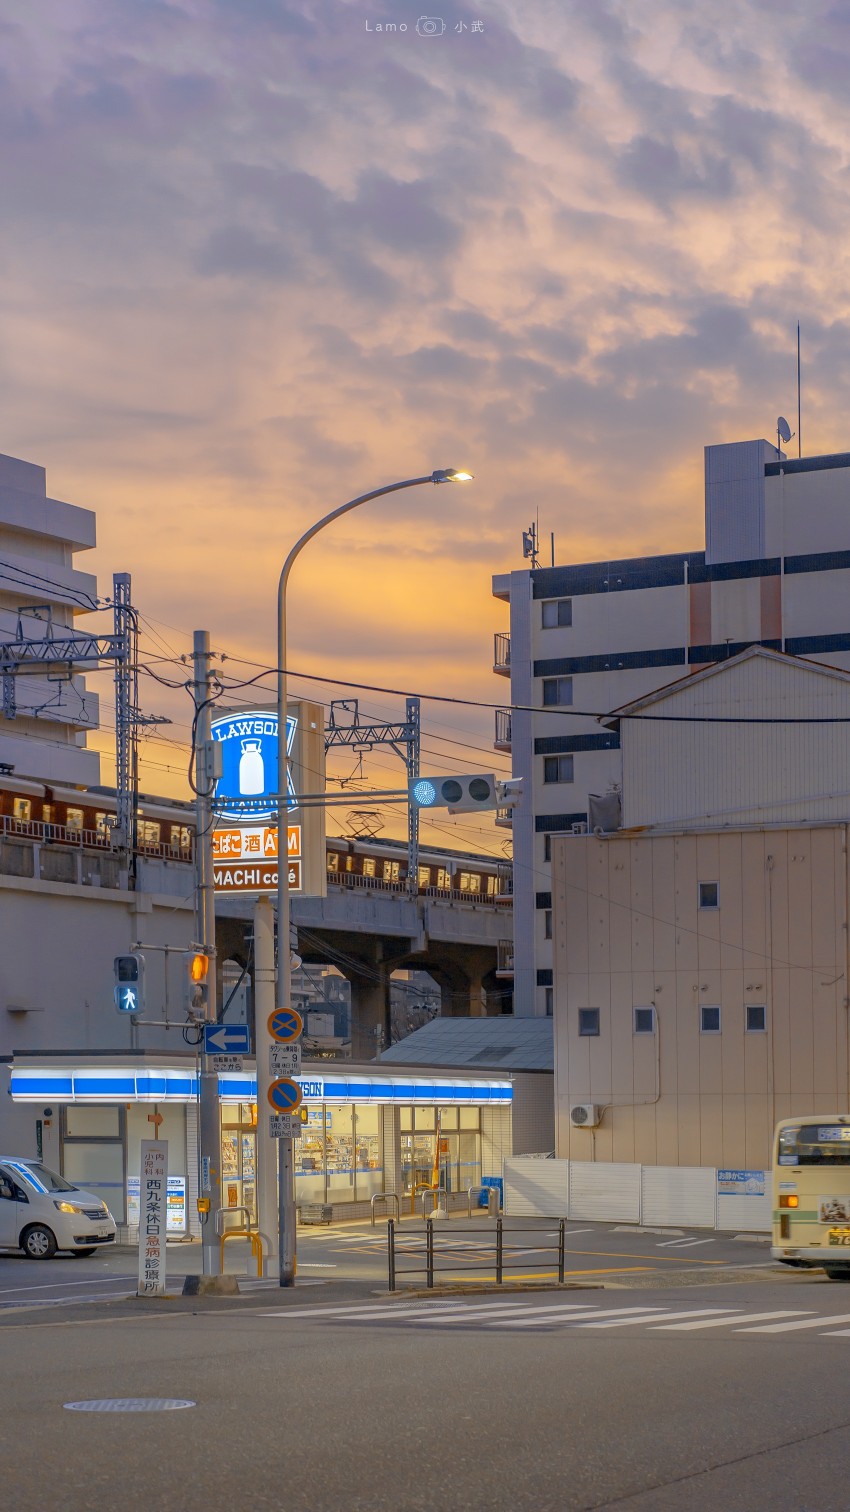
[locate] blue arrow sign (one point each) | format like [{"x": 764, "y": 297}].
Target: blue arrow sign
[
  {"x": 285, "y": 1095},
  {"x": 227, "y": 1039}
]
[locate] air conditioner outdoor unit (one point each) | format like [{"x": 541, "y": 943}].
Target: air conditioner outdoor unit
[{"x": 585, "y": 1115}]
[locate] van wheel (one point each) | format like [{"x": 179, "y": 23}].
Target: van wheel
[
  {"x": 84, "y": 1252},
  {"x": 38, "y": 1243},
  {"x": 838, "y": 1272}
]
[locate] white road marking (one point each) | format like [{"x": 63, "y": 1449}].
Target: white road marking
[
  {"x": 719, "y": 1322},
  {"x": 539, "y": 1315},
  {"x": 509, "y": 1309},
  {"x": 651, "y": 1316},
  {"x": 683, "y": 1243},
  {"x": 46, "y": 1285},
  {"x": 772, "y": 1328}
]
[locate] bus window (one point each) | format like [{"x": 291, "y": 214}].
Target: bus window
[{"x": 814, "y": 1144}]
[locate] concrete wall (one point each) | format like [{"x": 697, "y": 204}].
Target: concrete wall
[{"x": 629, "y": 933}]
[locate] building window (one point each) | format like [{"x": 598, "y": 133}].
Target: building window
[
  {"x": 756, "y": 1018},
  {"x": 709, "y": 894},
  {"x": 549, "y": 994},
  {"x": 588, "y": 1021},
  {"x": 73, "y": 819},
  {"x": 557, "y": 612},
  {"x": 547, "y": 923},
  {"x": 557, "y": 768},
  {"x": 547, "y": 847},
  {"x": 709, "y": 1019},
  {"x": 557, "y": 690},
  {"x": 22, "y": 809},
  {"x": 644, "y": 1021}
]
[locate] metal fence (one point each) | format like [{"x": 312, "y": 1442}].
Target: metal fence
[{"x": 486, "y": 1256}]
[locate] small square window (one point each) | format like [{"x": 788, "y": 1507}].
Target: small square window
[
  {"x": 557, "y": 768},
  {"x": 588, "y": 1021},
  {"x": 550, "y": 1000},
  {"x": 547, "y": 923},
  {"x": 644, "y": 1021},
  {"x": 557, "y": 690},
  {"x": 557, "y": 612},
  {"x": 756, "y": 1018},
  {"x": 709, "y": 1019},
  {"x": 709, "y": 894}
]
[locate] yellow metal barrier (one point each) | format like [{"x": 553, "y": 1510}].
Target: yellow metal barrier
[{"x": 249, "y": 1233}]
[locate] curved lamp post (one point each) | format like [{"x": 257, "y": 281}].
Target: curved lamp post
[{"x": 283, "y": 977}]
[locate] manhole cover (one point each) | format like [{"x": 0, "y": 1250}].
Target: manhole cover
[{"x": 129, "y": 1404}]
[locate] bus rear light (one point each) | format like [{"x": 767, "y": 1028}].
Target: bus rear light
[{"x": 789, "y": 1202}]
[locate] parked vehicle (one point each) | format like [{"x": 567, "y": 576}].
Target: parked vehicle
[{"x": 41, "y": 1212}]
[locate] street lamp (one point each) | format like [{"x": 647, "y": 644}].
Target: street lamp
[{"x": 283, "y": 978}]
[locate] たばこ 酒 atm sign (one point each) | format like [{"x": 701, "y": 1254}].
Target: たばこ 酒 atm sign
[{"x": 249, "y": 756}]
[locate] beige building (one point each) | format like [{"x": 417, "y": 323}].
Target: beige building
[{"x": 701, "y": 956}]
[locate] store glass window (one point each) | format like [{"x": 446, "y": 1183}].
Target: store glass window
[
  {"x": 339, "y": 1152},
  {"x": 309, "y": 1159},
  {"x": 368, "y": 1172}
]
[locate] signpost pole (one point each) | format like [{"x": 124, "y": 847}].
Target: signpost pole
[
  {"x": 209, "y": 1132},
  {"x": 267, "y": 1154}
]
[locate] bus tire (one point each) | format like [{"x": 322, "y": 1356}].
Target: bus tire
[{"x": 838, "y": 1272}]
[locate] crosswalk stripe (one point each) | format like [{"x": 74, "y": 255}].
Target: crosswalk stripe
[
  {"x": 772, "y": 1328},
  {"x": 652, "y": 1317},
  {"x": 392, "y": 1309},
  {"x": 720, "y": 1322},
  {"x": 538, "y": 1314},
  {"x": 505, "y": 1310}
]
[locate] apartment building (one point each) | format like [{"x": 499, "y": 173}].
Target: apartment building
[{"x": 585, "y": 639}]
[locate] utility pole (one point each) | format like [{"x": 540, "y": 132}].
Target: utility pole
[
  {"x": 267, "y": 1151},
  {"x": 210, "y": 1131}
]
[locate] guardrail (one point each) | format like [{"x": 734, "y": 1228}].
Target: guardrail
[
  {"x": 493, "y": 1255},
  {"x": 386, "y": 1197}
]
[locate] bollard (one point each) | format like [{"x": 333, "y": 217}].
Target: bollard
[{"x": 391, "y": 1252}]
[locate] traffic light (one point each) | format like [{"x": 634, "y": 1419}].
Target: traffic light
[
  {"x": 129, "y": 989},
  {"x": 460, "y": 795},
  {"x": 196, "y": 974}
]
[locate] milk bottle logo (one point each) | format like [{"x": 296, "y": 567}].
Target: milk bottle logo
[{"x": 252, "y": 770}]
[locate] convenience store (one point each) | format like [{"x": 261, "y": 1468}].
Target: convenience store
[{"x": 370, "y": 1128}]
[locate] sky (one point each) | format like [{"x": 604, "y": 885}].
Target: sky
[{"x": 261, "y": 257}]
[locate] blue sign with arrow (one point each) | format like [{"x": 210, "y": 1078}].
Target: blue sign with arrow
[{"x": 227, "y": 1039}]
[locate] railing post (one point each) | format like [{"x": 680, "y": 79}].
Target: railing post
[
  {"x": 391, "y": 1253},
  {"x": 499, "y": 1253},
  {"x": 561, "y": 1234},
  {"x": 429, "y": 1252}
]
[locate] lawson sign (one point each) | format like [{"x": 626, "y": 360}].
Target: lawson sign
[{"x": 249, "y": 781}]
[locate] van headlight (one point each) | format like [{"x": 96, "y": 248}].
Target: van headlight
[{"x": 67, "y": 1207}]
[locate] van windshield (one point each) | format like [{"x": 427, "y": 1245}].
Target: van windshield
[
  {"x": 815, "y": 1144},
  {"x": 39, "y": 1177}
]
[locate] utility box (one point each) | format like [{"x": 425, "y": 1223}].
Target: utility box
[{"x": 315, "y": 1212}]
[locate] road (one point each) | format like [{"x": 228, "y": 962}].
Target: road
[{"x": 676, "y": 1387}]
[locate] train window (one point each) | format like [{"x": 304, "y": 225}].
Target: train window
[
  {"x": 493, "y": 886},
  {"x": 349, "y": 863},
  {"x": 73, "y": 818},
  {"x": 47, "y": 812},
  {"x": 368, "y": 866},
  {"x": 424, "y": 875},
  {"x": 149, "y": 831},
  {"x": 444, "y": 879},
  {"x": 332, "y": 858},
  {"x": 103, "y": 823},
  {"x": 391, "y": 871},
  {"x": 470, "y": 882},
  {"x": 181, "y": 837},
  {"x": 22, "y": 808}
]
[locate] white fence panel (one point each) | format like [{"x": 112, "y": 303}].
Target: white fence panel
[
  {"x": 536, "y": 1188},
  {"x": 605, "y": 1190},
  {"x": 744, "y": 1214},
  {"x": 678, "y": 1194}
]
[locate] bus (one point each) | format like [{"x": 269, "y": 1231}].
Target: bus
[{"x": 811, "y": 1193}]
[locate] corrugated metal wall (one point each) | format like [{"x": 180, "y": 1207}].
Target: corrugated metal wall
[
  {"x": 536, "y": 1188},
  {"x": 650, "y": 1195},
  {"x": 679, "y": 1194},
  {"x": 605, "y": 1191}
]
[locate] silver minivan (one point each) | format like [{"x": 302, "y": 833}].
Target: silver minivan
[{"x": 41, "y": 1212}]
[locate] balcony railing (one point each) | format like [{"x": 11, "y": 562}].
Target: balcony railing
[
  {"x": 503, "y": 730},
  {"x": 502, "y": 654}
]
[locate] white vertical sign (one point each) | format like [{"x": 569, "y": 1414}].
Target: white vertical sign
[{"x": 152, "y": 1217}]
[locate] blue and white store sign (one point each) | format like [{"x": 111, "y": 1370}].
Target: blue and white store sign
[{"x": 249, "y": 781}]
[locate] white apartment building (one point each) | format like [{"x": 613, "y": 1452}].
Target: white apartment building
[{"x": 586, "y": 639}]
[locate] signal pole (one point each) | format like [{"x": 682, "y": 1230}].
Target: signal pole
[{"x": 210, "y": 1130}]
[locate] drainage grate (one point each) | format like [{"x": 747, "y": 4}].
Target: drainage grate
[{"x": 129, "y": 1404}]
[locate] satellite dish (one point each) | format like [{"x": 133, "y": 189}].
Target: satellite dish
[{"x": 783, "y": 429}]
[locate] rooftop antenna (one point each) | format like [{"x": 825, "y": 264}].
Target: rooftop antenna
[
  {"x": 799, "y": 422},
  {"x": 529, "y": 545},
  {"x": 783, "y": 433}
]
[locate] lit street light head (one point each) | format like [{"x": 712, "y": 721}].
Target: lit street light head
[{"x": 451, "y": 475}]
